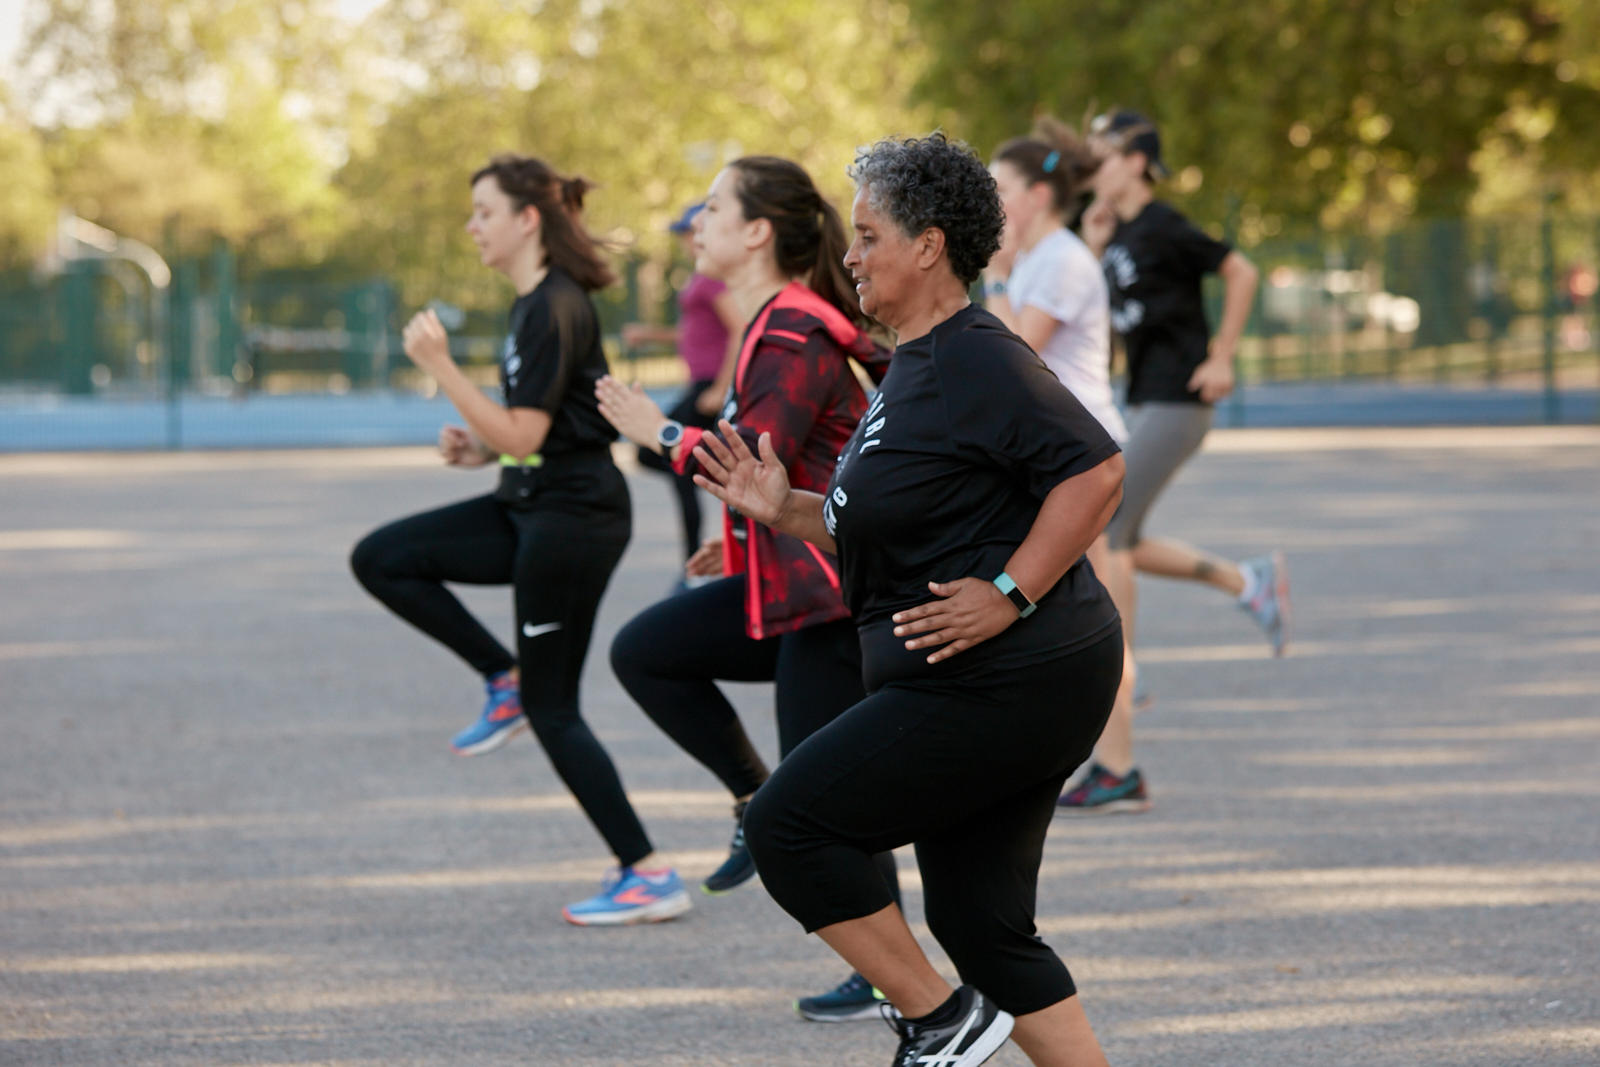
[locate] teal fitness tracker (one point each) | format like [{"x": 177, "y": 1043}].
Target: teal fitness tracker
[{"x": 1016, "y": 596}]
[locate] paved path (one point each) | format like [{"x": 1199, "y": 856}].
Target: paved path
[{"x": 230, "y": 831}]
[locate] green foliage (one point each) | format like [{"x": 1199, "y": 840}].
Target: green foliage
[
  {"x": 307, "y": 140},
  {"x": 173, "y": 120},
  {"x": 648, "y": 98},
  {"x": 273, "y": 123},
  {"x": 1358, "y": 113},
  {"x": 27, "y": 210}
]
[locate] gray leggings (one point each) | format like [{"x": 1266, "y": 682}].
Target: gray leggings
[{"x": 1161, "y": 438}]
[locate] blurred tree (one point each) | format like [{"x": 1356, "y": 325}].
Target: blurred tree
[
  {"x": 646, "y": 97},
  {"x": 27, "y": 210},
  {"x": 1357, "y": 113},
  {"x": 179, "y": 119}
]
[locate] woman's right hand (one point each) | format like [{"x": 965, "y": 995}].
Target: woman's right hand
[
  {"x": 633, "y": 413},
  {"x": 755, "y": 488},
  {"x": 460, "y": 448},
  {"x": 707, "y": 561}
]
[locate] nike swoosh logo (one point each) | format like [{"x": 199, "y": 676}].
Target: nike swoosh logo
[{"x": 530, "y": 630}]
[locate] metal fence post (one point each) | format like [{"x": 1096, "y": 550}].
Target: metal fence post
[
  {"x": 1547, "y": 270},
  {"x": 169, "y": 383},
  {"x": 80, "y": 319},
  {"x": 1236, "y": 398},
  {"x": 1490, "y": 305},
  {"x": 1391, "y": 284},
  {"x": 225, "y": 269}
]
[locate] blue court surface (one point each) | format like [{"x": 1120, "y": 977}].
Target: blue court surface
[{"x": 56, "y": 424}]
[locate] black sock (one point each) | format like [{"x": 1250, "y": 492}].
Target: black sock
[{"x": 943, "y": 1015}]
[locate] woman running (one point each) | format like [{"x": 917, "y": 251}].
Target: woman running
[
  {"x": 1044, "y": 283},
  {"x": 1049, "y": 290},
  {"x": 776, "y": 614},
  {"x": 706, "y": 337},
  {"x": 976, "y": 477},
  {"x": 555, "y": 528},
  {"x": 1154, "y": 260}
]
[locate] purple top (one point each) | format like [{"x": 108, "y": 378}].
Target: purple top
[{"x": 702, "y": 339}]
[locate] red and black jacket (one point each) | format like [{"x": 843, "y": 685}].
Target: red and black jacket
[{"x": 795, "y": 382}]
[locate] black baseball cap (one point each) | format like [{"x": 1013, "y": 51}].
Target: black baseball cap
[{"x": 1129, "y": 131}]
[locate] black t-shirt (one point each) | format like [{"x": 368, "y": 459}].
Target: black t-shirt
[
  {"x": 551, "y": 361},
  {"x": 1153, "y": 268},
  {"x": 943, "y": 479}
]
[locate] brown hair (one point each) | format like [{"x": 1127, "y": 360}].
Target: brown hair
[
  {"x": 810, "y": 239},
  {"x": 534, "y": 183},
  {"x": 1053, "y": 153}
]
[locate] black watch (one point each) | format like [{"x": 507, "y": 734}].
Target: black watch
[{"x": 670, "y": 436}]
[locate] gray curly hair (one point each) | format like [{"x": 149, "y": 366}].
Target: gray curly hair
[{"x": 932, "y": 182}]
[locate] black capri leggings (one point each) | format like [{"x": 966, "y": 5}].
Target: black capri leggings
[
  {"x": 967, "y": 769},
  {"x": 558, "y": 564},
  {"x": 670, "y": 657}
]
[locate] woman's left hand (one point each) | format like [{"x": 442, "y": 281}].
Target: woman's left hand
[
  {"x": 633, "y": 413},
  {"x": 1213, "y": 379},
  {"x": 426, "y": 342},
  {"x": 971, "y": 611}
]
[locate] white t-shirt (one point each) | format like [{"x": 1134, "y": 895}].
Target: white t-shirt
[{"x": 1061, "y": 277}]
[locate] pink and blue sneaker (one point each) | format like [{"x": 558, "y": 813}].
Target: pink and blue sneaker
[
  {"x": 502, "y": 718},
  {"x": 1104, "y": 793},
  {"x": 1266, "y": 597},
  {"x": 629, "y": 896}
]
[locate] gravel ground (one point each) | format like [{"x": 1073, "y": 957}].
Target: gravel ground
[{"x": 231, "y": 831}]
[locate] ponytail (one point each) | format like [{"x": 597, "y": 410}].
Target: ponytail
[
  {"x": 1053, "y": 153},
  {"x": 572, "y": 193},
  {"x": 809, "y": 237},
  {"x": 534, "y": 183},
  {"x": 829, "y": 279}
]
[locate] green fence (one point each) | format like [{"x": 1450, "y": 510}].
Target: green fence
[
  {"x": 1504, "y": 302},
  {"x": 1494, "y": 302}
]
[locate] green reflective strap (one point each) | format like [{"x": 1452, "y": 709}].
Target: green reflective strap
[{"x": 535, "y": 460}]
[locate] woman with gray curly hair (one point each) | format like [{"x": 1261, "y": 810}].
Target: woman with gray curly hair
[{"x": 977, "y": 477}]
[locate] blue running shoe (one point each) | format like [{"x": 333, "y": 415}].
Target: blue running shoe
[
  {"x": 1269, "y": 597},
  {"x": 628, "y": 896},
  {"x": 502, "y": 718},
  {"x": 852, "y": 999},
  {"x": 1103, "y": 793}
]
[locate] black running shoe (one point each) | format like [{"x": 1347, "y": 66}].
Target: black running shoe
[
  {"x": 852, "y": 999},
  {"x": 975, "y": 1034},
  {"x": 738, "y": 868}
]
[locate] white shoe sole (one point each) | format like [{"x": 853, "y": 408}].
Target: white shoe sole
[
  {"x": 754, "y": 879},
  {"x": 1112, "y": 807},
  {"x": 489, "y": 744},
  {"x": 988, "y": 1042},
  {"x": 659, "y": 912}
]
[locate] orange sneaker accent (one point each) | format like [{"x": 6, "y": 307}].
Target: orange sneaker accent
[{"x": 637, "y": 895}]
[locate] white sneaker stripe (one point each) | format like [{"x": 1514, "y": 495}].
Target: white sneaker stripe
[{"x": 948, "y": 1054}]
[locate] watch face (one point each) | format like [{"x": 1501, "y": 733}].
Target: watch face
[{"x": 670, "y": 435}]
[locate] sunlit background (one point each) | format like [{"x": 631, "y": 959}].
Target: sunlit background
[{"x": 244, "y": 200}]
